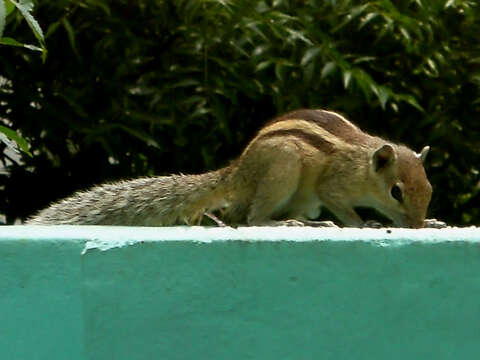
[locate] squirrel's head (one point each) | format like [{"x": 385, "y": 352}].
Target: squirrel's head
[{"x": 402, "y": 191}]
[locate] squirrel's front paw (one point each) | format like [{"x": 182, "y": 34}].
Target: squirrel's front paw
[
  {"x": 215, "y": 219},
  {"x": 434, "y": 223},
  {"x": 372, "y": 224},
  {"x": 291, "y": 222},
  {"x": 325, "y": 223}
]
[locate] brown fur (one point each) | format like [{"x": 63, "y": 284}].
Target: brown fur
[
  {"x": 331, "y": 122},
  {"x": 296, "y": 163},
  {"x": 311, "y": 139}
]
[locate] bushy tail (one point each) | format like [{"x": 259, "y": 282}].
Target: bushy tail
[
  {"x": 154, "y": 201},
  {"x": 188, "y": 197}
]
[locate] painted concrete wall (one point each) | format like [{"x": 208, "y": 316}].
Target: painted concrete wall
[{"x": 252, "y": 293}]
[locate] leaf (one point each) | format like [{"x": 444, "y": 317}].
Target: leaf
[
  {"x": 279, "y": 71},
  {"x": 3, "y": 15},
  {"x": 195, "y": 99},
  {"x": 431, "y": 64},
  {"x": 25, "y": 7},
  {"x": 9, "y": 7},
  {"x": 263, "y": 65},
  {"x": 5, "y": 9},
  {"x": 449, "y": 3},
  {"x": 199, "y": 112},
  {"x": 10, "y": 42},
  {"x": 236, "y": 45},
  {"x": 419, "y": 3},
  {"x": 475, "y": 78},
  {"x": 260, "y": 50},
  {"x": 298, "y": 35},
  {"x": 281, "y": 15},
  {"x": 254, "y": 27},
  {"x": 308, "y": 72},
  {"x": 347, "y": 77},
  {"x": 383, "y": 94},
  {"x": 366, "y": 19},
  {"x": 309, "y": 55},
  {"x": 365, "y": 83},
  {"x": 145, "y": 137},
  {"x": 71, "y": 35},
  {"x": 21, "y": 142},
  {"x": 185, "y": 83},
  {"x": 33, "y": 47},
  {"x": 409, "y": 99},
  {"x": 52, "y": 28},
  {"x": 259, "y": 86},
  {"x": 355, "y": 12},
  {"x": 412, "y": 101},
  {"x": 327, "y": 69},
  {"x": 100, "y": 4},
  {"x": 364, "y": 59},
  {"x": 405, "y": 34}
]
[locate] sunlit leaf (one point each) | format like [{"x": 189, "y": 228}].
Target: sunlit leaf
[
  {"x": 259, "y": 50},
  {"x": 328, "y": 69},
  {"x": 366, "y": 19},
  {"x": 431, "y": 64},
  {"x": 347, "y": 77},
  {"x": 405, "y": 33},
  {"x": 352, "y": 14},
  {"x": 25, "y": 7},
  {"x": 12, "y": 135},
  {"x": 32, "y": 47},
  {"x": 309, "y": 55},
  {"x": 450, "y": 3},
  {"x": 364, "y": 59},
  {"x": 298, "y": 35},
  {"x": 263, "y": 65}
]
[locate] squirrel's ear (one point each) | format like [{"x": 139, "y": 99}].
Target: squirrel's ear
[
  {"x": 423, "y": 154},
  {"x": 383, "y": 157}
]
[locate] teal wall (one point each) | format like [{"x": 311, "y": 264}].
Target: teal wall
[{"x": 252, "y": 293}]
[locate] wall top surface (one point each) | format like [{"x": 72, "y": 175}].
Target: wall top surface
[{"x": 107, "y": 237}]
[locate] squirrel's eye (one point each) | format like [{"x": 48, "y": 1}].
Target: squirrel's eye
[{"x": 396, "y": 193}]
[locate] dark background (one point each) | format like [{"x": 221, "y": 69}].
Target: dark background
[{"x": 133, "y": 88}]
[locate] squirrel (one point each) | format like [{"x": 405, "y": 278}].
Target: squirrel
[{"x": 296, "y": 163}]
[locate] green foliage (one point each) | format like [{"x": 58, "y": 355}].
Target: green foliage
[
  {"x": 141, "y": 87},
  {"x": 7, "y": 7},
  {"x": 12, "y": 135},
  {"x": 24, "y": 8}
]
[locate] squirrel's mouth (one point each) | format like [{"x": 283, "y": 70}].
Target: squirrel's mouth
[
  {"x": 390, "y": 219},
  {"x": 370, "y": 213},
  {"x": 409, "y": 222}
]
